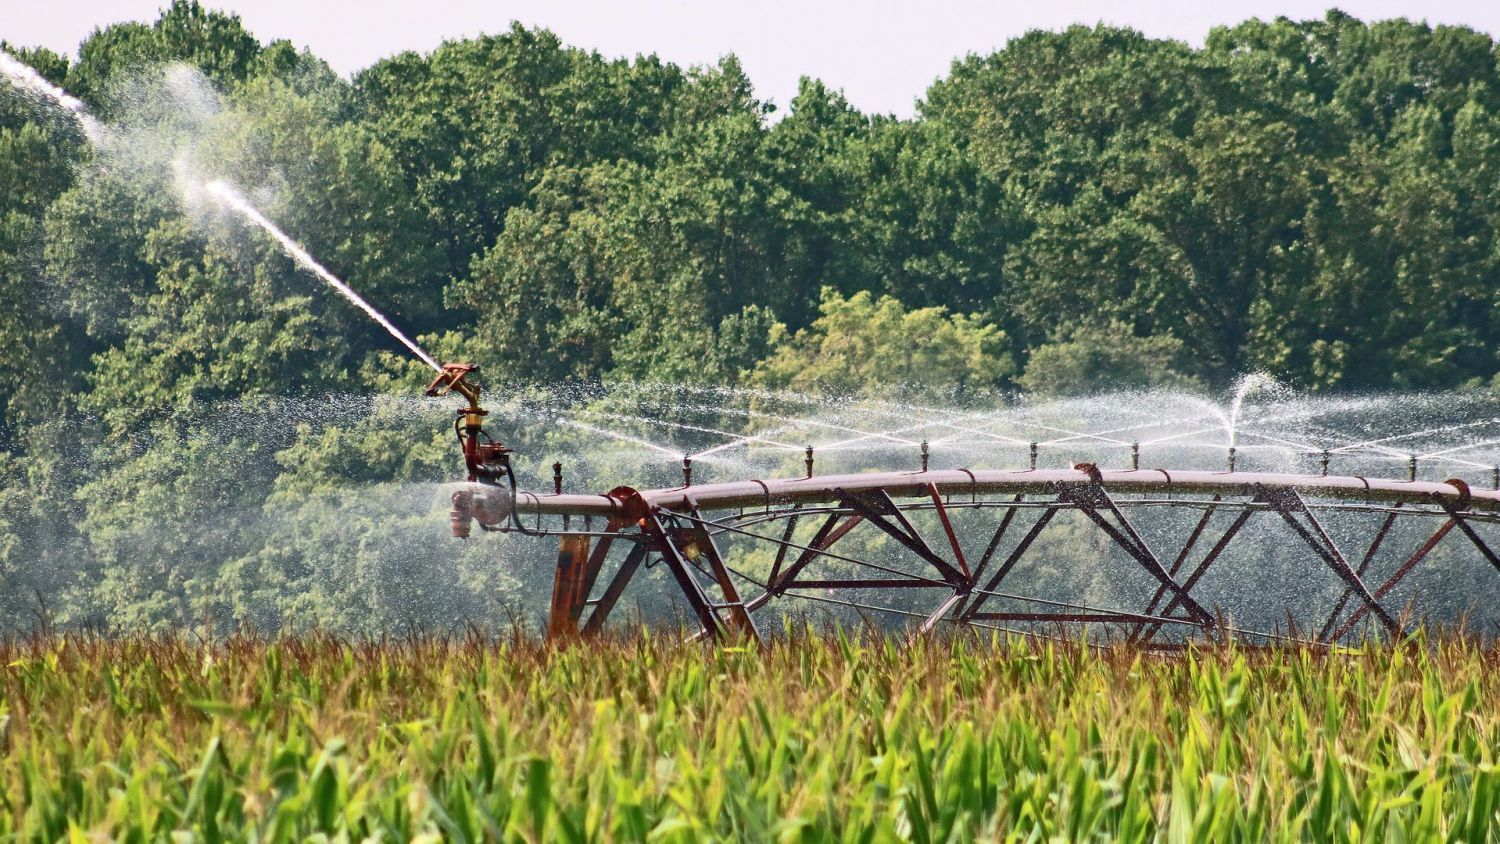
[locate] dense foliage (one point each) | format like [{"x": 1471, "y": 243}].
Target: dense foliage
[
  {"x": 1080, "y": 210},
  {"x": 822, "y": 738}
]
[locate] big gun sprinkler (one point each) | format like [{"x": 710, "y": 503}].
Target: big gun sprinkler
[{"x": 489, "y": 496}]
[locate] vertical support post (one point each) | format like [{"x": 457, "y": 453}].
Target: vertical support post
[{"x": 567, "y": 581}]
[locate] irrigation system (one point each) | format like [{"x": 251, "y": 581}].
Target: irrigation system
[
  {"x": 847, "y": 539},
  {"x": 794, "y": 536}
]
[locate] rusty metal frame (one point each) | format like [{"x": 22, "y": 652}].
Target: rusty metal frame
[{"x": 680, "y": 526}]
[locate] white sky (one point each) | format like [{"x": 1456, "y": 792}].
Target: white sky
[{"x": 882, "y": 54}]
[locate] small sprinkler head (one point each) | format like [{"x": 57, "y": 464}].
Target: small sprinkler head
[
  {"x": 809, "y": 461},
  {"x": 1231, "y": 458},
  {"x": 1033, "y": 455},
  {"x": 924, "y": 455},
  {"x": 1323, "y": 462},
  {"x": 687, "y": 470},
  {"x": 1411, "y": 467},
  {"x": 1135, "y": 457},
  {"x": 1495, "y": 477},
  {"x": 557, "y": 478}
]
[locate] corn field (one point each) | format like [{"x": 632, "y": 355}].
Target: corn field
[{"x": 825, "y": 736}]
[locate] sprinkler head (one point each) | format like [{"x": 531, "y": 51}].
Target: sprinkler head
[
  {"x": 1231, "y": 458},
  {"x": 809, "y": 461},
  {"x": 924, "y": 455}
]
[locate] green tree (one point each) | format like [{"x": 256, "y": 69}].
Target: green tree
[
  {"x": 1105, "y": 357},
  {"x": 876, "y": 347}
]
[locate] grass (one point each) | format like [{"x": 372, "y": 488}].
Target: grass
[{"x": 825, "y": 737}]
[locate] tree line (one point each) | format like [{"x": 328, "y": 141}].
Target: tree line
[{"x": 1081, "y": 210}]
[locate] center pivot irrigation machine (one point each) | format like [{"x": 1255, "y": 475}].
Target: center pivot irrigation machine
[{"x": 797, "y": 530}]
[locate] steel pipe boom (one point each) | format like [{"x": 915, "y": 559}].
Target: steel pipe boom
[{"x": 953, "y": 483}]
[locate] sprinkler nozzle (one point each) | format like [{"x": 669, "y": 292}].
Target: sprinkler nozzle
[
  {"x": 1033, "y": 455},
  {"x": 1231, "y": 458},
  {"x": 809, "y": 461},
  {"x": 924, "y": 455}
]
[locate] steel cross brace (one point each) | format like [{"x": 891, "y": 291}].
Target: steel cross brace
[
  {"x": 1201, "y": 569},
  {"x": 968, "y": 612},
  {"x": 1092, "y": 498},
  {"x": 615, "y": 589},
  {"x": 739, "y": 614},
  {"x": 1289, "y": 505},
  {"x": 1187, "y": 548},
  {"x": 878, "y": 509},
  {"x": 1455, "y": 519},
  {"x": 1364, "y": 566}
]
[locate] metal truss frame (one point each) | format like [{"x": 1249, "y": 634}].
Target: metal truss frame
[{"x": 682, "y": 528}]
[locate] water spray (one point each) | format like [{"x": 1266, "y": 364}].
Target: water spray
[
  {"x": 226, "y": 194},
  {"x": 27, "y": 79}
]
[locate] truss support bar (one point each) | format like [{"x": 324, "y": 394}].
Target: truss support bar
[
  {"x": 1363, "y": 567},
  {"x": 1395, "y": 578},
  {"x": 864, "y": 583},
  {"x": 875, "y": 506},
  {"x": 1289, "y": 505},
  {"x": 1202, "y": 569},
  {"x": 1091, "y": 498},
  {"x": 616, "y": 588},
  {"x": 958, "y": 551},
  {"x": 740, "y": 620},
  {"x": 1010, "y": 562},
  {"x": 831, "y": 531}
]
